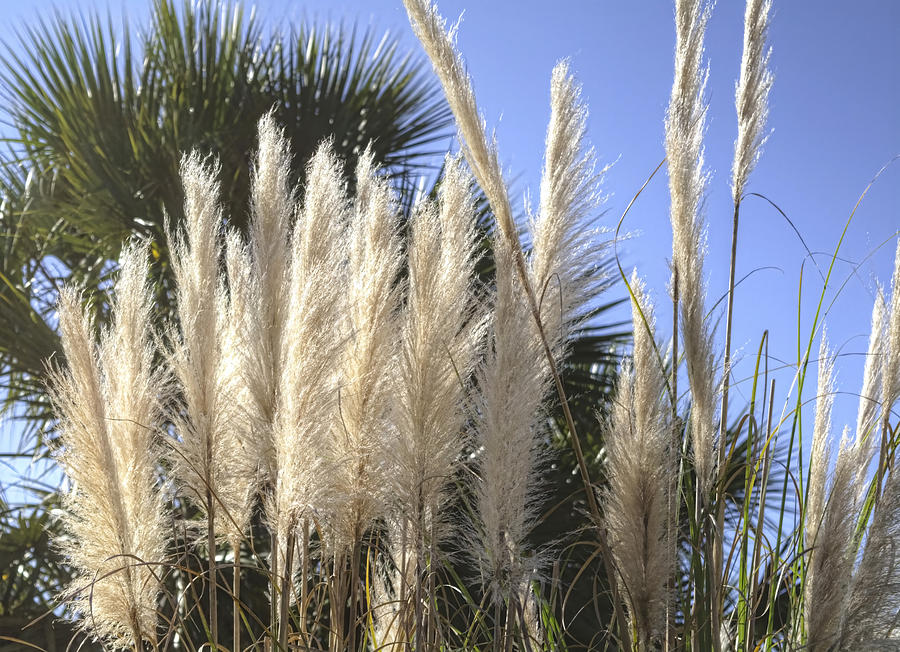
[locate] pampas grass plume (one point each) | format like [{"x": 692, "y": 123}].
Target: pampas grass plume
[
  {"x": 752, "y": 94},
  {"x": 310, "y": 358},
  {"x": 272, "y": 209},
  {"x": 360, "y": 432},
  {"x": 439, "y": 335},
  {"x": 565, "y": 245},
  {"x": 208, "y": 461},
  {"x": 685, "y": 128},
  {"x": 440, "y": 46},
  {"x": 830, "y": 519},
  {"x": 108, "y": 403},
  {"x": 870, "y": 620},
  {"x": 639, "y": 466},
  {"x": 819, "y": 457},
  {"x": 871, "y": 390},
  {"x": 512, "y": 382},
  {"x": 891, "y": 373}
]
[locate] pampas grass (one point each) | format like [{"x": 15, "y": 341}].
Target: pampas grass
[
  {"x": 107, "y": 400},
  {"x": 872, "y": 374},
  {"x": 513, "y": 382},
  {"x": 819, "y": 458},
  {"x": 481, "y": 153},
  {"x": 209, "y": 459},
  {"x": 832, "y": 557},
  {"x": 870, "y": 619},
  {"x": 272, "y": 209},
  {"x": 361, "y": 426},
  {"x": 565, "y": 245},
  {"x": 341, "y": 368},
  {"x": 890, "y": 375}
]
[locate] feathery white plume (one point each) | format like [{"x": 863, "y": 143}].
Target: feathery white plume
[
  {"x": 238, "y": 486},
  {"x": 891, "y": 373},
  {"x": 307, "y": 388},
  {"x": 874, "y": 600},
  {"x": 819, "y": 456},
  {"x": 832, "y": 557},
  {"x": 512, "y": 383},
  {"x": 515, "y": 377},
  {"x": 108, "y": 403},
  {"x": 752, "y": 94},
  {"x": 830, "y": 521},
  {"x": 685, "y": 128},
  {"x": 565, "y": 246},
  {"x": 360, "y": 432},
  {"x": 204, "y": 458},
  {"x": 480, "y": 153},
  {"x": 272, "y": 208},
  {"x": 639, "y": 467},
  {"x": 439, "y": 336},
  {"x": 870, "y": 393}
]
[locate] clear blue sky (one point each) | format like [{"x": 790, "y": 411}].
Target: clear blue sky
[{"x": 835, "y": 112}]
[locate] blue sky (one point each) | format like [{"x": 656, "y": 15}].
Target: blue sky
[{"x": 835, "y": 115}]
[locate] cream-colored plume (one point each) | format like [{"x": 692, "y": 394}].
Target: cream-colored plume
[
  {"x": 208, "y": 461},
  {"x": 565, "y": 245},
  {"x": 272, "y": 208},
  {"x": 830, "y": 519},
  {"x": 831, "y": 557},
  {"x": 515, "y": 377},
  {"x": 238, "y": 487},
  {"x": 870, "y": 394},
  {"x": 512, "y": 383},
  {"x": 870, "y": 620},
  {"x": 481, "y": 154},
  {"x": 108, "y": 401},
  {"x": 891, "y": 372},
  {"x": 361, "y": 425},
  {"x": 685, "y": 127},
  {"x": 439, "y": 336},
  {"x": 639, "y": 468},
  {"x": 752, "y": 94},
  {"x": 819, "y": 456},
  {"x": 310, "y": 359}
]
